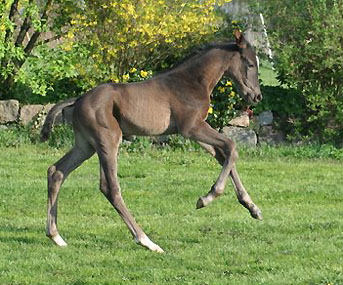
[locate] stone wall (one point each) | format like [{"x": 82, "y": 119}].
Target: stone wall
[
  {"x": 239, "y": 129},
  {"x": 261, "y": 132},
  {"x": 11, "y": 112}
]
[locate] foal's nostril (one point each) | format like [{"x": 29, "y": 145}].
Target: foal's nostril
[{"x": 258, "y": 98}]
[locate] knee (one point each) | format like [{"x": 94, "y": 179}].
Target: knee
[
  {"x": 230, "y": 150},
  {"x": 58, "y": 176},
  {"x": 51, "y": 170},
  {"x": 185, "y": 132},
  {"x": 54, "y": 175},
  {"x": 234, "y": 154}
]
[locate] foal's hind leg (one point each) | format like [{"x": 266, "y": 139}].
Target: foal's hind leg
[
  {"x": 242, "y": 194},
  {"x": 57, "y": 173},
  {"x": 107, "y": 144}
]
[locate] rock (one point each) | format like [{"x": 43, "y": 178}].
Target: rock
[
  {"x": 241, "y": 121},
  {"x": 28, "y": 112},
  {"x": 47, "y": 108},
  {"x": 3, "y": 127},
  {"x": 241, "y": 136},
  {"x": 9, "y": 110},
  {"x": 270, "y": 136},
  {"x": 265, "y": 118}
]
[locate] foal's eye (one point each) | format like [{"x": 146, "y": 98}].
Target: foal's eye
[{"x": 249, "y": 63}]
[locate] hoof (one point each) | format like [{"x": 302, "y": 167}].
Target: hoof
[
  {"x": 158, "y": 249},
  {"x": 256, "y": 213},
  {"x": 200, "y": 203},
  {"x": 58, "y": 240},
  {"x": 147, "y": 243}
]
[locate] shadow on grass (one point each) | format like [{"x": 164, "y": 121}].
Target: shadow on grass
[{"x": 22, "y": 235}]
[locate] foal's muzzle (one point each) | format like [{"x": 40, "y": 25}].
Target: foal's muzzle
[
  {"x": 254, "y": 99},
  {"x": 258, "y": 98}
]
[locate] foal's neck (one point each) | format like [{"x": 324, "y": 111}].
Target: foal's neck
[{"x": 210, "y": 67}]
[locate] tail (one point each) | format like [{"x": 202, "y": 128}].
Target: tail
[{"x": 51, "y": 116}]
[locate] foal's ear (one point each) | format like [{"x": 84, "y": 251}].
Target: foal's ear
[{"x": 240, "y": 40}]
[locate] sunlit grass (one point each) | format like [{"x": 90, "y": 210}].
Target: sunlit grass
[
  {"x": 299, "y": 241},
  {"x": 267, "y": 74}
]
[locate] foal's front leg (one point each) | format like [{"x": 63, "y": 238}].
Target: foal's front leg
[
  {"x": 242, "y": 194},
  {"x": 203, "y": 133}
]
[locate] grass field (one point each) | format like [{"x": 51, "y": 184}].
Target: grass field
[
  {"x": 300, "y": 240},
  {"x": 267, "y": 74}
]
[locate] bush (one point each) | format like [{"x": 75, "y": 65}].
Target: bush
[
  {"x": 47, "y": 77},
  {"x": 308, "y": 151},
  {"x": 26, "y": 27},
  {"x": 121, "y": 35},
  {"x": 99, "y": 41},
  {"x": 287, "y": 106},
  {"x": 61, "y": 136},
  {"x": 224, "y": 104},
  {"x": 307, "y": 40},
  {"x": 14, "y": 136}
]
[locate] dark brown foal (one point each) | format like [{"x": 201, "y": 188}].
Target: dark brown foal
[{"x": 175, "y": 101}]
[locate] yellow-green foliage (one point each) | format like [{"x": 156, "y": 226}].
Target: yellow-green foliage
[
  {"x": 98, "y": 40},
  {"x": 125, "y": 34},
  {"x": 224, "y": 103},
  {"x": 26, "y": 26}
]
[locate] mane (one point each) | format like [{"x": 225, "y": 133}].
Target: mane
[{"x": 199, "y": 51}]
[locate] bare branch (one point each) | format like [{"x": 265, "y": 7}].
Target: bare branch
[
  {"x": 36, "y": 34},
  {"x": 54, "y": 38},
  {"x": 33, "y": 40},
  {"x": 23, "y": 30},
  {"x": 9, "y": 33},
  {"x": 14, "y": 8}
]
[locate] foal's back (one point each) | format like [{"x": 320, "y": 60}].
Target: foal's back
[{"x": 142, "y": 108}]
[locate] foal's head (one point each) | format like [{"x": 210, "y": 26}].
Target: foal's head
[{"x": 244, "y": 70}]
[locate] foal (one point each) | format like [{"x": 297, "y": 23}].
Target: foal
[{"x": 176, "y": 101}]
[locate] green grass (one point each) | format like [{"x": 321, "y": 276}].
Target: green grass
[
  {"x": 299, "y": 241},
  {"x": 267, "y": 74}
]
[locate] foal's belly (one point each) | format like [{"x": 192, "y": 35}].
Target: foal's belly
[
  {"x": 147, "y": 126},
  {"x": 146, "y": 118}
]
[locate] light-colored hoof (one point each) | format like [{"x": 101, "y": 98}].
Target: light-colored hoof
[
  {"x": 256, "y": 213},
  {"x": 58, "y": 240},
  {"x": 147, "y": 243},
  {"x": 204, "y": 201}
]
